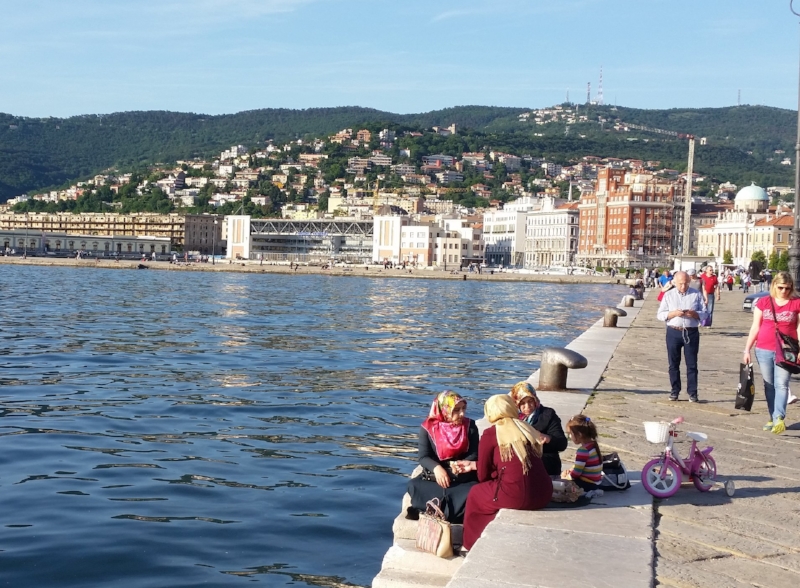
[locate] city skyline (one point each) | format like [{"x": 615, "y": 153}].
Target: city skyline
[{"x": 226, "y": 56}]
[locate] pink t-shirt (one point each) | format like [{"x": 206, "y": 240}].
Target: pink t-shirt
[{"x": 787, "y": 321}]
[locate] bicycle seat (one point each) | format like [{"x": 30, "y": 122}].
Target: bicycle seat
[{"x": 697, "y": 436}]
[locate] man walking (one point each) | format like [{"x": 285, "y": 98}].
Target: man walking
[
  {"x": 711, "y": 290},
  {"x": 682, "y": 309}
]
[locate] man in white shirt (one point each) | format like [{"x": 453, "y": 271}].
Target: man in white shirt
[{"x": 682, "y": 308}]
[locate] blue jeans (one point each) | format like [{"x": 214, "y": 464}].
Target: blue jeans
[
  {"x": 689, "y": 342},
  {"x": 776, "y": 383},
  {"x": 710, "y": 305}
]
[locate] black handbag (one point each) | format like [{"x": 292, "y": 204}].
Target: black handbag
[
  {"x": 615, "y": 475},
  {"x": 747, "y": 388},
  {"x": 787, "y": 349}
]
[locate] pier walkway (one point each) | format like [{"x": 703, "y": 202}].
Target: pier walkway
[{"x": 628, "y": 539}]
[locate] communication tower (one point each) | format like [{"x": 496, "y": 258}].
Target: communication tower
[
  {"x": 600, "y": 88},
  {"x": 588, "y": 92}
]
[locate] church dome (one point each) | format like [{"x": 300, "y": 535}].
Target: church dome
[{"x": 752, "y": 192}]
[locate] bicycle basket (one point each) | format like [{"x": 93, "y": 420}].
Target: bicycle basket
[{"x": 656, "y": 432}]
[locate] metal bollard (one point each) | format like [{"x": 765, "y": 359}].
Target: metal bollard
[
  {"x": 610, "y": 316},
  {"x": 555, "y": 363},
  {"x": 628, "y": 301}
]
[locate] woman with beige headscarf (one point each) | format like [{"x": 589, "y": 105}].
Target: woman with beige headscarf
[{"x": 510, "y": 469}]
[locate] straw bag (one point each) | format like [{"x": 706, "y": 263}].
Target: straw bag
[{"x": 433, "y": 531}]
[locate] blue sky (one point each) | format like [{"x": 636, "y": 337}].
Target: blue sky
[{"x": 68, "y": 57}]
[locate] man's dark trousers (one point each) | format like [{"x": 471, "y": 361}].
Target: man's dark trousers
[{"x": 675, "y": 342}]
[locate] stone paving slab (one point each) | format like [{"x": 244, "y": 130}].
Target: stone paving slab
[{"x": 708, "y": 539}]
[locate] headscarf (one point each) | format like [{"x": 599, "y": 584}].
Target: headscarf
[
  {"x": 513, "y": 435},
  {"x": 520, "y": 392},
  {"x": 449, "y": 439}
]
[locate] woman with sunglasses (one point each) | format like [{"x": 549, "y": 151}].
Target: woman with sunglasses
[{"x": 780, "y": 309}]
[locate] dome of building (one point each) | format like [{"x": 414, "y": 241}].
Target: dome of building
[{"x": 752, "y": 192}]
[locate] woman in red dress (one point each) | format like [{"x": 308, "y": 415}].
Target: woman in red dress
[{"x": 510, "y": 469}]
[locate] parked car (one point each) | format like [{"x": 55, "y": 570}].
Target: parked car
[{"x": 751, "y": 299}]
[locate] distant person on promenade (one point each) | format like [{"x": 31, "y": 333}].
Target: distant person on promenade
[
  {"x": 510, "y": 469},
  {"x": 448, "y": 450},
  {"x": 665, "y": 277},
  {"x": 682, "y": 308},
  {"x": 543, "y": 419},
  {"x": 711, "y": 289},
  {"x": 780, "y": 310}
]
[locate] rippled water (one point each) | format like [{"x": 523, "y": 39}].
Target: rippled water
[{"x": 178, "y": 429}]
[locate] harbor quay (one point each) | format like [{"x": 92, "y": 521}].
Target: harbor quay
[
  {"x": 630, "y": 539},
  {"x": 370, "y": 271}
]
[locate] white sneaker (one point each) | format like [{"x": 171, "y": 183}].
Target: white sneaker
[{"x": 792, "y": 399}]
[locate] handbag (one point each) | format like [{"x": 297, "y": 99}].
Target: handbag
[
  {"x": 433, "y": 531},
  {"x": 615, "y": 475},
  {"x": 787, "y": 348},
  {"x": 747, "y": 387}
]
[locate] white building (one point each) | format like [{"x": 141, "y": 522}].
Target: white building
[
  {"x": 504, "y": 231},
  {"x": 551, "y": 234}
]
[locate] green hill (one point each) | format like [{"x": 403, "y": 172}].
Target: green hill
[{"x": 39, "y": 153}]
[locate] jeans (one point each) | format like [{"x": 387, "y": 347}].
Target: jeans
[
  {"x": 776, "y": 383},
  {"x": 710, "y": 305},
  {"x": 689, "y": 341}
]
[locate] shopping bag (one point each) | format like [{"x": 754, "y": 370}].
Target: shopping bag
[
  {"x": 433, "y": 531},
  {"x": 615, "y": 474},
  {"x": 706, "y": 322},
  {"x": 747, "y": 388}
]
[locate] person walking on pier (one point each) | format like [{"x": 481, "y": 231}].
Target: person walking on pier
[
  {"x": 778, "y": 311},
  {"x": 682, "y": 308},
  {"x": 711, "y": 290}
]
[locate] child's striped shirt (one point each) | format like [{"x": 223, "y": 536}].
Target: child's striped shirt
[{"x": 588, "y": 466}]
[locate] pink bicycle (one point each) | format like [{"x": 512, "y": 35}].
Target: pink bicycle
[{"x": 662, "y": 476}]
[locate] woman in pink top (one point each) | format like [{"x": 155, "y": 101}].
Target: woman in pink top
[{"x": 786, "y": 316}]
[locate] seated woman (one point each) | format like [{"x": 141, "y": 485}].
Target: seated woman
[
  {"x": 448, "y": 448},
  {"x": 543, "y": 419},
  {"x": 510, "y": 469}
]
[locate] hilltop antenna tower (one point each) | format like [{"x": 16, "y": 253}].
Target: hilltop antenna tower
[
  {"x": 600, "y": 88},
  {"x": 568, "y": 96},
  {"x": 588, "y": 92}
]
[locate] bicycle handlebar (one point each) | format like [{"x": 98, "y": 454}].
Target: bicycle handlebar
[{"x": 677, "y": 421}]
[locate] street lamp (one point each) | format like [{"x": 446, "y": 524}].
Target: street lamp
[
  {"x": 213, "y": 243},
  {"x": 794, "y": 250}
]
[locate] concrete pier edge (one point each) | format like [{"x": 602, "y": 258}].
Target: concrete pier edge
[{"x": 567, "y": 545}]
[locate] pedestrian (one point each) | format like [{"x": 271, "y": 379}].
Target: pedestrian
[
  {"x": 778, "y": 311},
  {"x": 665, "y": 277},
  {"x": 682, "y": 309},
  {"x": 710, "y": 289},
  {"x": 729, "y": 281},
  {"x": 746, "y": 282}
]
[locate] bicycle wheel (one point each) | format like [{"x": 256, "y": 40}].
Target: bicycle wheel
[
  {"x": 704, "y": 473},
  {"x": 658, "y": 485}
]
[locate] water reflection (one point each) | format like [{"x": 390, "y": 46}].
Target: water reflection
[{"x": 279, "y": 409}]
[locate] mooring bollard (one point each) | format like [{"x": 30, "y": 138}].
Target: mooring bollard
[
  {"x": 628, "y": 301},
  {"x": 555, "y": 363},
  {"x": 610, "y": 316}
]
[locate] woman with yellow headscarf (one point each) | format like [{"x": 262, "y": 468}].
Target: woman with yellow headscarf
[{"x": 510, "y": 469}]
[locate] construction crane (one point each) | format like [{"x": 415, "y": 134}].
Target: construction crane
[{"x": 687, "y": 213}]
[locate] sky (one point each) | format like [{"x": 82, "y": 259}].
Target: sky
[{"x": 69, "y": 57}]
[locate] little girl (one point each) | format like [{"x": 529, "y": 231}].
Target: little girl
[{"x": 588, "y": 469}]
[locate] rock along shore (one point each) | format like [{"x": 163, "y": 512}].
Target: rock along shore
[{"x": 355, "y": 270}]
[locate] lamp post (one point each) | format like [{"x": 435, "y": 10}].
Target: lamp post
[
  {"x": 213, "y": 243},
  {"x": 25, "y": 243},
  {"x": 794, "y": 250}
]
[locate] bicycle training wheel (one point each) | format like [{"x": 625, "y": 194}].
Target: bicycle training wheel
[
  {"x": 658, "y": 485},
  {"x": 704, "y": 473}
]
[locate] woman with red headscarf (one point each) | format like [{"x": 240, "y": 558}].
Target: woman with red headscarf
[{"x": 448, "y": 449}]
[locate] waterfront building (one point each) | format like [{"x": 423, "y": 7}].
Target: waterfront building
[
  {"x": 171, "y": 226},
  {"x": 551, "y": 234},
  {"x": 62, "y": 242},
  {"x": 504, "y": 231},
  {"x": 203, "y": 233},
  {"x": 305, "y": 241},
  {"x": 631, "y": 218},
  {"x": 751, "y": 226}
]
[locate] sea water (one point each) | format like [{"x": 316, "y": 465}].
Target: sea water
[{"x": 181, "y": 429}]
